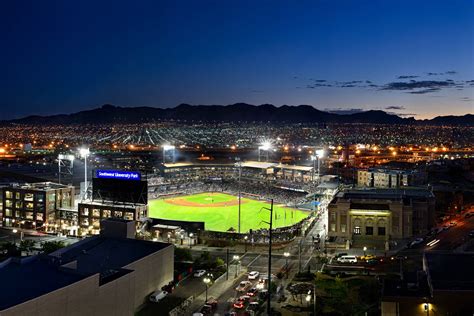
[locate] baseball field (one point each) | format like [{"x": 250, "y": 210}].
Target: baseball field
[{"x": 219, "y": 211}]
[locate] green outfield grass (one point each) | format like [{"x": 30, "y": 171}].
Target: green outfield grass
[{"x": 221, "y": 218}]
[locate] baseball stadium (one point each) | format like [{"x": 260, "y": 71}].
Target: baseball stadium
[{"x": 220, "y": 211}]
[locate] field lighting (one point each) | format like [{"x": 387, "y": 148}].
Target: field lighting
[
  {"x": 265, "y": 146},
  {"x": 84, "y": 152},
  {"x": 319, "y": 154},
  {"x": 166, "y": 148}
]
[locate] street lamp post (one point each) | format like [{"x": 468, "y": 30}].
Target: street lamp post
[
  {"x": 365, "y": 250},
  {"x": 245, "y": 241},
  {"x": 286, "y": 255},
  {"x": 236, "y": 259},
  {"x": 207, "y": 280}
]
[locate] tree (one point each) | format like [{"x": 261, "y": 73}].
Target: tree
[
  {"x": 26, "y": 245},
  {"x": 51, "y": 246},
  {"x": 182, "y": 254},
  {"x": 10, "y": 249}
]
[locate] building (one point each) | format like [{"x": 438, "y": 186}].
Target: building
[
  {"x": 372, "y": 217},
  {"x": 91, "y": 214},
  {"x": 35, "y": 205},
  {"x": 107, "y": 274},
  {"x": 444, "y": 287},
  {"x": 388, "y": 178}
]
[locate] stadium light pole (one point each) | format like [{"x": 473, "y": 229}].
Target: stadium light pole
[
  {"x": 240, "y": 195},
  {"x": 84, "y": 152},
  {"x": 320, "y": 155},
  {"x": 165, "y": 149},
  {"x": 266, "y": 146}
]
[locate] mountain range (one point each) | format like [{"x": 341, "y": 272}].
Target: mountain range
[{"x": 239, "y": 112}]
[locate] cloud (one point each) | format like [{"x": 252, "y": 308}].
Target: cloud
[
  {"x": 256, "y": 91},
  {"x": 407, "y": 77},
  {"x": 425, "y": 91},
  {"x": 418, "y": 87},
  {"x": 434, "y": 73},
  {"x": 395, "y": 107},
  {"x": 450, "y": 72},
  {"x": 319, "y": 80},
  {"x": 465, "y": 99}
]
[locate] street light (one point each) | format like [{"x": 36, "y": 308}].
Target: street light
[
  {"x": 365, "y": 250},
  {"x": 236, "y": 259},
  {"x": 84, "y": 152},
  {"x": 190, "y": 240},
  {"x": 286, "y": 255},
  {"x": 207, "y": 280},
  {"x": 245, "y": 240}
]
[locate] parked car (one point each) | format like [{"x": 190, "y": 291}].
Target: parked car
[
  {"x": 367, "y": 257},
  {"x": 206, "y": 309},
  {"x": 372, "y": 261},
  {"x": 415, "y": 242},
  {"x": 199, "y": 273},
  {"x": 243, "y": 286},
  {"x": 253, "y": 275},
  {"x": 212, "y": 302},
  {"x": 347, "y": 259},
  {"x": 157, "y": 296},
  {"x": 452, "y": 224}
]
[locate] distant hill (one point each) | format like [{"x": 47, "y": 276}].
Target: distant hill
[{"x": 239, "y": 112}]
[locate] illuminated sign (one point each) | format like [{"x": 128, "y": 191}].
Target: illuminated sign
[{"x": 115, "y": 174}]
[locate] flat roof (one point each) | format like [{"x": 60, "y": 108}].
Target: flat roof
[
  {"x": 450, "y": 271},
  {"x": 38, "y": 275},
  {"x": 40, "y": 186},
  {"x": 258, "y": 164},
  {"x": 385, "y": 194},
  {"x": 294, "y": 167}
]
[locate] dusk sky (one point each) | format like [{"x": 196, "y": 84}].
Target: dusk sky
[{"x": 408, "y": 57}]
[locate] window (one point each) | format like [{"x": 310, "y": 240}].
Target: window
[
  {"x": 8, "y": 194},
  {"x": 18, "y": 204},
  {"x": 96, "y": 212},
  {"x": 17, "y": 195},
  {"x": 333, "y": 227},
  {"x": 333, "y": 216},
  {"x": 343, "y": 228},
  {"x": 8, "y": 212},
  {"x": 39, "y": 216},
  {"x": 29, "y": 215},
  {"x": 8, "y": 203},
  {"x": 128, "y": 215},
  {"x": 106, "y": 214},
  {"x": 85, "y": 211},
  {"x": 39, "y": 197},
  {"x": 29, "y": 205},
  {"x": 118, "y": 214},
  {"x": 28, "y": 196},
  {"x": 369, "y": 230},
  {"x": 356, "y": 230},
  {"x": 381, "y": 231}
]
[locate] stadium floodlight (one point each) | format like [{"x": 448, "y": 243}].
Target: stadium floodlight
[
  {"x": 84, "y": 152},
  {"x": 320, "y": 153},
  {"x": 168, "y": 147},
  {"x": 265, "y": 146}
]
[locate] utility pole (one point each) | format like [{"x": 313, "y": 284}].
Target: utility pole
[
  {"x": 227, "y": 261},
  {"x": 269, "y": 311}
]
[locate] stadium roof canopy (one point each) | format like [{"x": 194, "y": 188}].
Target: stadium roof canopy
[
  {"x": 292, "y": 167},
  {"x": 258, "y": 164}
]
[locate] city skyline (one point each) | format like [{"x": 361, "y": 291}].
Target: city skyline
[{"x": 406, "y": 58}]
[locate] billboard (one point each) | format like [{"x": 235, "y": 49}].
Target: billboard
[
  {"x": 116, "y": 174},
  {"x": 119, "y": 187}
]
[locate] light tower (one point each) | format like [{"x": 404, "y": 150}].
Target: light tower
[
  {"x": 84, "y": 153},
  {"x": 168, "y": 148},
  {"x": 266, "y": 146}
]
